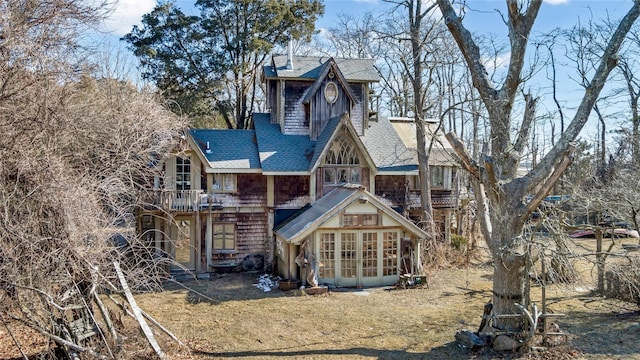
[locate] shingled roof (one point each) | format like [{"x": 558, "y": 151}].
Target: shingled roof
[
  {"x": 309, "y": 67},
  {"x": 386, "y": 148},
  {"x": 279, "y": 152},
  {"x": 228, "y": 150},
  {"x": 296, "y": 229}
]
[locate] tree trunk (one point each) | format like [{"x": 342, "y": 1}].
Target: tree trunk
[{"x": 509, "y": 280}]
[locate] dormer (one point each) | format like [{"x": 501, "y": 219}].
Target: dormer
[{"x": 303, "y": 93}]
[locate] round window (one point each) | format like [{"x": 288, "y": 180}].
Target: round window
[{"x": 331, "y": 92}]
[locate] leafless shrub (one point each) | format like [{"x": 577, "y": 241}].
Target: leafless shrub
[{"x": 78, "y": 157}]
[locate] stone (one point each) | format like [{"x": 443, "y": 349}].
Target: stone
[{"x": 505, "y": 343}]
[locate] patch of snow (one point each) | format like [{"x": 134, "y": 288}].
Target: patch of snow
[
  {"x": 362, "y": 293},
  {"x": 582, "y": 289},
  {"x": 267, "y": 282}
]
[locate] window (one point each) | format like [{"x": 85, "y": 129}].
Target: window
[
  {"x": 370, "y": 254},
  {"x": 437, "y": 176},
  {"x": 389, "y": 253},
  {"x": 183, "y": 173},
  {"x": 340, "y": 175},
  {"x": 224, "y": 182},
  {"x": 341, "y": 164},
  {"x": 224, "y": 237},
  {"x": 350, "y": 220},
  {"x": 331, "y": 92},
  {"x": 353, "y": 220},
  {"x": 348, "y": 255},
  {"x": 327, "y": 256},
  {"x": 414, "y": 182}
]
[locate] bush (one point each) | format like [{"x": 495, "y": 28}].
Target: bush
[{"x": 458, "y": 242}]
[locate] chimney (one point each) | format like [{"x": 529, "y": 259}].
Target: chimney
[{"x": 289, "y": 65}]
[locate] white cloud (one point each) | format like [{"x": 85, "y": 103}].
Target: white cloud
[
  {"x": 127, "y": 13},
  {"x": 556, "y": 2}
]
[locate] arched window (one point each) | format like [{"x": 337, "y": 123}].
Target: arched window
[
  {"x": 341, "y": 164},
  {"x": 342, "y": 152}
]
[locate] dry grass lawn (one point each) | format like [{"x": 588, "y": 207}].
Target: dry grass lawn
[
  {"x": 237, "y": 320},
  {"x": 227, "y": 317}
]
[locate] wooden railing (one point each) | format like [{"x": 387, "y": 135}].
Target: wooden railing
[{"x": 179, "y": 200}]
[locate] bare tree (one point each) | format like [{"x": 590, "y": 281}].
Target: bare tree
[
  {"x": 503, "y": 203},
  {"x": 78, "y": 157}
]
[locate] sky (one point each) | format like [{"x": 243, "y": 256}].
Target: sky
[
  {"x": 554, "y": 13},
  {"x": 482, "y": 17}
]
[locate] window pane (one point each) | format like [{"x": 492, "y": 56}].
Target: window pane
[
  {"x": 342, "y": 175},
  {"x": 217, "y": 182},
  {"x": 437, "y": 176},
  {"x": 350, "y": 220},
  {"x": 229, "y": 182},
  {"x": 329, "y": 176},
  {"x": 370, "y": 219},
  {"x": 355, "y": 176}
]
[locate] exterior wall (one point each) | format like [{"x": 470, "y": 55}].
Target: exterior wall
[
  {"x": 252, "y": 192},
  {"x": 322, "y": 111},
  {"x": 392, "y": 188},
  {"x": 251, "y": 230},
  {"x": 359, "y": 110},
  {"x": 294, "y": 113},
  {"x": 291, "y": 192}
]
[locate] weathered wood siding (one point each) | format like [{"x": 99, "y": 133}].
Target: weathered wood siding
[
  {"x": 294, "y": 113},
  {"x": 252, "y": 192},
  {"x": 291, "y": 192},
  {"x": 251, "y": 230},
  {"x": 359, "y": 109},
  {"x": 392, "y": 189},
  {"x": 322, "y": 111}
]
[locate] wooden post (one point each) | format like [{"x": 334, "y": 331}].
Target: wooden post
[
  {"x": 599, "y": 259},
  {"x": 138, "y": 312}
]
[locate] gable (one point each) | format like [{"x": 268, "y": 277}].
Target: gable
[
  {"x": 336, "y": 127},
  {"x": 327, "y": 210},
  {"x": 329, "y": 74}
]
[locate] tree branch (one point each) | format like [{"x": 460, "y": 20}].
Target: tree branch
[
  {"x": 470, "y": 51},
  {"x": 467, "y": 162},
  {"x": 607, "y": 63},
  {"x": 546, "y": 187}
]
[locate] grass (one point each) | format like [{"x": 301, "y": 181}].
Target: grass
[
  {"x": 237, "y": 320},
  {"x": 227, "y": 317}
]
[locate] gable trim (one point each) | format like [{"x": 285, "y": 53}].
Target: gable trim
[
  {"x": 358, "y": 194},
  {"x": 345, "y": 123},
  {"x": 317, "y": 85}
]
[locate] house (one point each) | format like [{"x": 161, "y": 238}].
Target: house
[{"x": 318, "y": 186}]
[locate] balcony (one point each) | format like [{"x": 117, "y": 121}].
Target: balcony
[{"x": 179, "y": 200}]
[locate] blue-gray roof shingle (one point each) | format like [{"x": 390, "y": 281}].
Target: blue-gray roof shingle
[{"x": 228, "y": 149}]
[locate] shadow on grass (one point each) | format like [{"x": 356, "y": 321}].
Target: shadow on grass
[
  {"x": 226, "y": 287},
  {"x": 449, "y": 351}
]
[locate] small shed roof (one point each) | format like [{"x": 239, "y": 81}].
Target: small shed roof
[
  {"x": 442, "y": 153},
  {"x": 302, "y": 224},
  {"x": 387, "y": 149}
]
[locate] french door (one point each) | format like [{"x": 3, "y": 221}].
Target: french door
[{"x": 358, "y": 257}]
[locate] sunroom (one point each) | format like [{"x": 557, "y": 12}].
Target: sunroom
[{"x": 348, "y": 238}]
